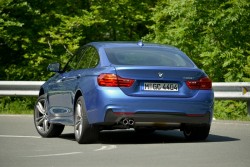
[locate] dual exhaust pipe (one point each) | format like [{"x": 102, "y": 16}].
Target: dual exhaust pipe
[{"x": 127, "y": 122}]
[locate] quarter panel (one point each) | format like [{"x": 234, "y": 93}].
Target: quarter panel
[{"x": 89, "y": 87}]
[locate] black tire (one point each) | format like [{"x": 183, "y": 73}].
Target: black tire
[
  {"x": 84, "y": 132},
  {"x": 198, "y": 133},
  {"x": 42, "y": 124}
]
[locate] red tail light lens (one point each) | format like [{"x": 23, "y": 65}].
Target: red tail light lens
[
  {"x": 112, "y": 80},
  {"x": 203, "y": 84}
]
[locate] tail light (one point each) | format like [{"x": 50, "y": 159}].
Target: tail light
[
  {"x": 203, "y": 84},
  {"x": 112, "y": 80}
]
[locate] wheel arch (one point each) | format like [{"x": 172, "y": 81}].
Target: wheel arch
[
  {"x": 41, "y": 91},
  {"x": 77, "y": 95}
]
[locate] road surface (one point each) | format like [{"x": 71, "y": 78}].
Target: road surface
[{"x": 228, "y": 145}]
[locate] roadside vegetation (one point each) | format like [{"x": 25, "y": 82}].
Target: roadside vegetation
[
  {"x": 17, "y": 105},
  {"x": 215, "y": 34},
  {"x": 231, "y": 110}
]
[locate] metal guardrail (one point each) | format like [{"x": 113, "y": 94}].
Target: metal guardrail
[
  {"x": 232, "y": 91},
  {"x": 20, "y": 88},
  {"x": 222, "y": 90}
]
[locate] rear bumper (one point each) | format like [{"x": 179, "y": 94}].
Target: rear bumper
[
  {"x": 111, "y": 105},
  {"x": 158, "y": 117}
]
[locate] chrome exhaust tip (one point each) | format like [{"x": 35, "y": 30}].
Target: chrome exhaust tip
[
  {"x": 125, "y": 121},
  {"x": 131, "y": 122}
]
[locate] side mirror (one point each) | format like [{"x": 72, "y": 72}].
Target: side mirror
[{"x": 54, "y": 67}]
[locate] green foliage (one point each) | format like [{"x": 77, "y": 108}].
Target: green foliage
[
  {"x": 213, "y": 33},
  {"x": 247, "y": 70},
  {"x": 17, "y": 105},
  {"x": 34, "y": 33},
  {"x": 230, "y": 110},
  {"x": 124, "y": 19}
]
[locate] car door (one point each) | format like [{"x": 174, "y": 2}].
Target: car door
[{"x": 62, "y": 89}]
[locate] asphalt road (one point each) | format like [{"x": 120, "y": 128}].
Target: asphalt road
[{"x": 228, "y": 145}]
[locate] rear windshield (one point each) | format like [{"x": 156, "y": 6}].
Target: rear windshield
[{"x": 147, "y": 57}]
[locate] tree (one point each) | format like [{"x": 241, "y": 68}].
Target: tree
[
  {"x": 213, "y": 33},
  {"x": 126, "y": 20},
  {"x": 34, "y": 33}
]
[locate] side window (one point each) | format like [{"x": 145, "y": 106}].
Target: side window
[
  {"x": 74, "y": 60},
  {"x": 89, "y": 58}
]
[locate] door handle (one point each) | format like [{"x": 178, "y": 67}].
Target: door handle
[
  {"x": 69, "y": 78},
  {"x": 78, "y": 76}
]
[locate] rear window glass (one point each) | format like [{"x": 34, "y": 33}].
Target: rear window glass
[{"x": 143, "y": 56}]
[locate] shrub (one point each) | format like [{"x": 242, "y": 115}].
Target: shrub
[
  {"x": 17, "y": 105},
  {"x": 230, "y": 110}
]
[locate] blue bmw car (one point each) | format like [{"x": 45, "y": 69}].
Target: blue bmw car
[{"x": 120, "y": 85}]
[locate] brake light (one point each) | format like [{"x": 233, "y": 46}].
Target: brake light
[
  {"x": 202, "y": 84},
  {"x": 112, "y": 80}
]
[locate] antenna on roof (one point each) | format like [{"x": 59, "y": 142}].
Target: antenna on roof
[{"x": 140, "y": 43}]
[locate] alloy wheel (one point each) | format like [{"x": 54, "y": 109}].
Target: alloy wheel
[
  {"x": 78, "y": 120},
  {"x": 41, "y": 117}
]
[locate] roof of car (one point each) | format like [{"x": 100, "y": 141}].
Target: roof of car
[{"x": 111, "y": 44}]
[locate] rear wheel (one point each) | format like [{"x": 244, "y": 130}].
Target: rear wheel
[
  {"x": 198, "y": 133},
  {"x": 84, "y": 132},
  {"x": 42, "y": 124}
]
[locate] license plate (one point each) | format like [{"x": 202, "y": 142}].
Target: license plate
[{"x": 160, "y": 86}]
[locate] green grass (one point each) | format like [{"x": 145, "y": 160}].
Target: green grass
[
  {"x": 231, "y": 110},
  {"x": 17, "y": 105},
  {"x": 13, "y": 112}
]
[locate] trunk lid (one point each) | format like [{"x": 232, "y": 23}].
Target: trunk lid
[{"x": 155, "y": 81}]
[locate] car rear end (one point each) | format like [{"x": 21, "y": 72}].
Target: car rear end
[{"x": 153, "y": 86}]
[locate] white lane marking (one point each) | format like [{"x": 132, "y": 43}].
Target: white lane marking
[
  {"x": 14, "y": 136},
  {"x": 105, "y": 148},
  {"x": 51, "y": 155}
]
